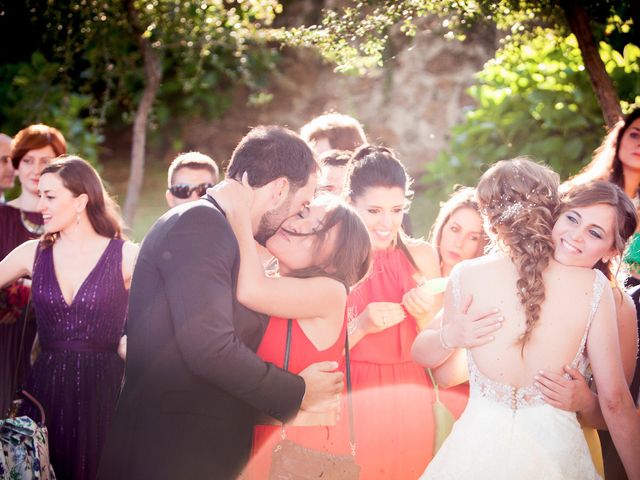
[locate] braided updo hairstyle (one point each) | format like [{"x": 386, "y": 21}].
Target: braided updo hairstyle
[{"x": 519, "y": 201}]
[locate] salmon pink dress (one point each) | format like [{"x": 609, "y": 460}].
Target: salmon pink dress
[
  {"x": 392, "y": 395},
  {"x": 331, "y": 439}
]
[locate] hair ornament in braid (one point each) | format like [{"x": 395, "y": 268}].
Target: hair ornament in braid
[{"x": 511, "y": 211}]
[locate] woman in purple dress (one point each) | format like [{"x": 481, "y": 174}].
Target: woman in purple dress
[
  {"x": 32, "y": 149},
  {"x": 81, "y": 270}
]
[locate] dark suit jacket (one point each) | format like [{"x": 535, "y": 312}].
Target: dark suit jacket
[{"x": 193, "y": 383}]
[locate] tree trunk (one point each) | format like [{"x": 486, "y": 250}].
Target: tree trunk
[
  {"x": 606, "y": 94},
  {"x": 152, "y": 78}
]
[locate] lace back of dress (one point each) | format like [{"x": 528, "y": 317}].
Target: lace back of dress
[{"x": 529, "y": 396}]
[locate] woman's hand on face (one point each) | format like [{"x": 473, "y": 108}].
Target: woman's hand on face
[
  {"x": 379, "y": 316},
  {"x": 418, "y": 303},
  {"x": 233, "y": 196},
  {"x": 572, "y": 395},
  {"x": 464, "y": 330}
]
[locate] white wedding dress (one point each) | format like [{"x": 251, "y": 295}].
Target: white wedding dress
[{"x": 512, "y": 433}]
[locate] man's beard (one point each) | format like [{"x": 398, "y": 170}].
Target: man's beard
[{"x": 271, "y": 221}]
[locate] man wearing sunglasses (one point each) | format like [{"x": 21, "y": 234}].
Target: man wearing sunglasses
[
  {"x": 190, "y": 174},
  {"x": 193, "y": 383},
  {"x": 7, "y": 173}
]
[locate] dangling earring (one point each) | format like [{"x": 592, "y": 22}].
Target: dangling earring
[
  {"x": 77, "y": 218},
  {"x": 605, "y": 259}
]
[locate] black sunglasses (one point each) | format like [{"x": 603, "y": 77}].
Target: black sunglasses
[{"x": 184, "y": 190}]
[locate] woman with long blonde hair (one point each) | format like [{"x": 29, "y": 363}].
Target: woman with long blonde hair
[{"x": 508, "y": 429}]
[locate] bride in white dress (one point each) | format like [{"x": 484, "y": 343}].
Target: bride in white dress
[{"x": 552, "y": 315}]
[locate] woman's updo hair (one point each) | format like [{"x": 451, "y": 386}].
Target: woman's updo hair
[
  {"x": 602, "y": 192},
  {"x": 519, "y": 201},
  {"x": 375, "y": 166}
]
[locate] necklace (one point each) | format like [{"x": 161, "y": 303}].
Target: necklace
[{"x": 31, "y": 227}]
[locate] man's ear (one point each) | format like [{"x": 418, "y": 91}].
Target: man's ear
[
  {"x": 279, "y": 191},
  {"x": 169, "y": 197}
]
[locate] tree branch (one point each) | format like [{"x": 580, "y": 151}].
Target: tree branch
[
  {"x": 606, "y": 94},
  {"x": 153, "y": 77}
]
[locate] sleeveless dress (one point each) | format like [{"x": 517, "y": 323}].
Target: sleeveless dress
[
  {"x": 331, "y": 439},
  {"x": 508, "y": 432},
  {"x": 78, "y": 374},
  {"x": 393, "y": 395},
  {"x": 14, "y": 298}
]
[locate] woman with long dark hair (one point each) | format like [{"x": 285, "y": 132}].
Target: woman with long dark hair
[
  {"x": 81, "y": 270},
  {"x": 393, "y": 395},
  {"x": 617, "y": 160}
]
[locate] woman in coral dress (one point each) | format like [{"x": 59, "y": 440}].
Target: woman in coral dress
[
  {"x": 321, "y": 253},
  {"x": 393, "y": 396}
]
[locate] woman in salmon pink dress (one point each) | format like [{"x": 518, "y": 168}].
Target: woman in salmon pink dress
[
  {"x": 393, "y": 396},
  {"x": 321, "y": 253}
]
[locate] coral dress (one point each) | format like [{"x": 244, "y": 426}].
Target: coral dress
[
  {"x": 78, "y": 374},
  {"x": 332, "y": 439},
  {"x": 393, "y": 396}
]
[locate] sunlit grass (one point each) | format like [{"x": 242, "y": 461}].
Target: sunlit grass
[{"x": 152, "y": 202}]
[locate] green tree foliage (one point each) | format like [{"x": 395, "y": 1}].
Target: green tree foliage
[
  {"x": 533, "y": 98},
  {"x": 354, "y": 36},
  {"x": 30, "y": 94},
  {"x": 83, "y": 67}
]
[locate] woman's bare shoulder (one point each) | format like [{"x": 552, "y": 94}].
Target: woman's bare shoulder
[
  {"x": 130, "y": 252},
  {"x": 423, "y": 253},
  {"x": 489, "y": 261}
]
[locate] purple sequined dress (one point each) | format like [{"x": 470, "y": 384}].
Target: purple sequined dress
[{"x": 78, "y": 375}]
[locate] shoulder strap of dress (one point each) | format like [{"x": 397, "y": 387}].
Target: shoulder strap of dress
[
  {"x": 36, "y": 258},
  {"x": 600, "y": 282}
]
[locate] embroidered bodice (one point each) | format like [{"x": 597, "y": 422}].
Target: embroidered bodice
[{"x": 526, "y": 396}]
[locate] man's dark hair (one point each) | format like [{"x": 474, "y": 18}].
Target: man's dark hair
[
  {"x": 270, "y": 152},
  {"x": 335, "y": 158}
]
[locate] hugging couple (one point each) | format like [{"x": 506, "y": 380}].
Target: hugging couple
[{"x": 193, "y": 382}]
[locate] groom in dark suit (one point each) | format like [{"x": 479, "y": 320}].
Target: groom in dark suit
[{"x": 193, "y": 383}]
